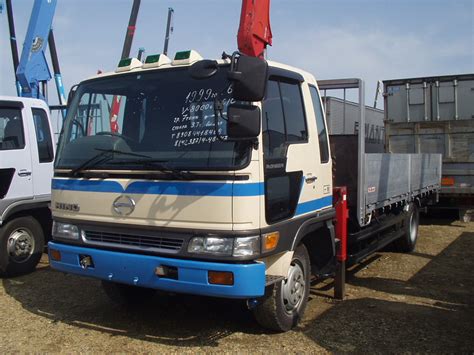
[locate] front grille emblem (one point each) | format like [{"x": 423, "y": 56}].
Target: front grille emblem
[{"x": 124, "y": 205}]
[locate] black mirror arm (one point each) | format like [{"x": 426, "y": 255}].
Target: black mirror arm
[
  {"x": 218, "y": 109},
  {"x": 233, "y": 60}
]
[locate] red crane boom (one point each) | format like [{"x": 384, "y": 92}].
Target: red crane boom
[{"x": 254, "y": 30}]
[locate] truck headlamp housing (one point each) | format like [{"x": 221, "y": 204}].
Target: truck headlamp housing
[
  {"x": 246, "y": 246},
  {"x": 225, "y": 246},
  {"x": 65, "y": 231}
]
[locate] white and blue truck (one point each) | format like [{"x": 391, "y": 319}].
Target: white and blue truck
[
  {"x": 26, "y": 167},
  {"x": 215, "y": 177}
]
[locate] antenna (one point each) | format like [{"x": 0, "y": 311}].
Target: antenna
[{"x": 169, "y": 30}]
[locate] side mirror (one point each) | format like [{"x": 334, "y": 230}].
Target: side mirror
[
  {"x": 243, "y": 122},
  {"x": 249, "y": 75}
]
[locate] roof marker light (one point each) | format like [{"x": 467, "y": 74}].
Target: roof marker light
[
  {"x": 186, "y": 57},
  {"x": 155, "y": 61},
  {"x": 127, "y": 64}
]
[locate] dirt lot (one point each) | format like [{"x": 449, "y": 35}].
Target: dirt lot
[{"x": 421, "y": 302}]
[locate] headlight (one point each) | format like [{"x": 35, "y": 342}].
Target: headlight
[
  {"x": 65, "y": 230},
  {"x": 211, "y": 245},
  {"x": 246, "y": 246},
  {"x": 243, "y": 246}
]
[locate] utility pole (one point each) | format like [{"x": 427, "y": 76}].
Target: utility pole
[{"x": 169, "y": 30}]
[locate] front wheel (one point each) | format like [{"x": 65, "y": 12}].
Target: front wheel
[
  {"x": 284, "y": 302},
  {"x": 21, "y": 246}
]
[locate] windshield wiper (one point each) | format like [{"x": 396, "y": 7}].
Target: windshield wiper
[
  {"x": 159, "y": 165},
  {"x": 102, "y": 156}
]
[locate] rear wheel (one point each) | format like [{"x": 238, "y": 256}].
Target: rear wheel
[
  {"x": 407, "y": 242},
  {"x": 21, "y": 246},
  {"x": 284, "y": 302},
  {"x": 127, "y": 294}
]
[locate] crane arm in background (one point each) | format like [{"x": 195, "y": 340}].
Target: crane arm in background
[
  {"x": 57, "y": 72},
  {"x": 33, "y": 70},
  {"x": 115, "y": 109},
  {"x": 13, "y": 44},
  {"x": 254, "y": 31}
]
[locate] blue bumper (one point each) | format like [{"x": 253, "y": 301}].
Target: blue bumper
[{"x": 139, "y": 270}]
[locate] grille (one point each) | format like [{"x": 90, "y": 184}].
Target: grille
[{"x": 135, "y": 240}]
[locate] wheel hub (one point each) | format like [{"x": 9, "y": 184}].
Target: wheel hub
[
  {"x": 293, "y": 288},
  {"x": 413, "y": 227},
  {"x": 20, "y": 245}
]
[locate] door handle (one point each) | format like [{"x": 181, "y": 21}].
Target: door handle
[
  {"x": 24, "y": 172},
  {"x": 310, "y": 179}
]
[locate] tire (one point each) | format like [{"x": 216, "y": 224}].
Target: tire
[
  {"x": 126, "y": 294},
  {"x": 21, "y": 246},
  {"x": 281, "y": 309},
  {"x": 407, "y": 242}
]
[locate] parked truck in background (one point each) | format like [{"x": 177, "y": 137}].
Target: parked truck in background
[
  {"x": 219, "y": 182},
  {"x": 26, "y": 168},
  {"x": 436, "y": 115}
]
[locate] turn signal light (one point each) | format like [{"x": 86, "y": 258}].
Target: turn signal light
[
  {"x": 55, "y": 254},
  {"x": 270, "y": 240},
  {"x": 447, "y": 181},
  {"x": 221, "y": 277}
]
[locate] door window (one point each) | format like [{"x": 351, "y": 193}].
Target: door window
[
  {"x": 320, "y": 125},
  {"x": 293, "y": 109},
  {"x": 283, "y": 123},
  {"x": 43, "y": 136},
  {"x": 11, "y": 129}
]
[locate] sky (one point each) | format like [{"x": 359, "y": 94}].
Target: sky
[{"x": 369, "y": 39}]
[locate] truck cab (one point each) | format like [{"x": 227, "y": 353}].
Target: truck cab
[
  {"x": 207, "y": 177},
  {"x": 26, "y": 167}
]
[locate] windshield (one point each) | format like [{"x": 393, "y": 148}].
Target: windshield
[{"x": 164, "y": 116}]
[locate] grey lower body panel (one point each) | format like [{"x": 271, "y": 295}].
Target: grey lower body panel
[
  {"x": 9, "y": 206},
  {"x": 394, "y": 178}
]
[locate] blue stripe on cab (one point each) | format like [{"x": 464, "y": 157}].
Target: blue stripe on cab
[
  {"x": 86, "y": 185},
  {"x": 313, "y": 205},
  {"x": 182, "y": 188},
  {"x": 162, "y": 187}
]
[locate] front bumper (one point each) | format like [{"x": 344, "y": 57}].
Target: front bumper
[{"x": 139, "y": 270}]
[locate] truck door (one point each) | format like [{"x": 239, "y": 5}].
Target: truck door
[
  {"x": 15, "y": 158},
  {"x": 42, "y": 152},
  {"x": 295, "y": 181}
]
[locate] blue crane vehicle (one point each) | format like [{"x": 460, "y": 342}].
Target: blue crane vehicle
[
  {"x": 31, "y": 69},
  {"x": 27, "y": 145}
]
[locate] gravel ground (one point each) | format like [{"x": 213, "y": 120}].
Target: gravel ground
[{"x": 419, "y": 302}]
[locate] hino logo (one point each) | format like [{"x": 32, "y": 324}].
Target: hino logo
[
  {"x": 124, "y": 205},
  {"x": 74, "y": 207}
]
